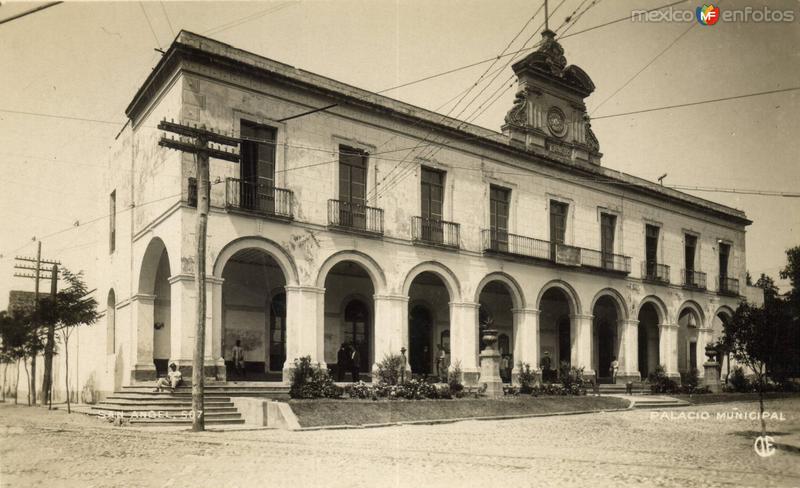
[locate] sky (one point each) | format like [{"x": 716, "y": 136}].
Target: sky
[{"x": 85, "y": 60}]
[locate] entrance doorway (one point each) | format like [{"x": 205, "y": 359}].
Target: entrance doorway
[{"x": 420, "y": 339}]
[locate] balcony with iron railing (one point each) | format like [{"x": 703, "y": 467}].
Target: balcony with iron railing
[
  {"x": 503, "y": 242},
  {"x": 606, "y": 261},
  {"x": 652, "y": 271},
  {"x": 694, "y": 279},
  {"x": 435, "y": 232},
  {"x": 727, "y": 286},
  {"x": 258, "y": 198},
  {"x": 511, "y": 244},
  {"x": 350, "y": 216}
]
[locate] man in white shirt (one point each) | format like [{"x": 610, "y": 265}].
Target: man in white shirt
[{"x": 238, "y": 358}]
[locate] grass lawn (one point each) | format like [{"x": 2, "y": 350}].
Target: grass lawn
[
  {"x": 316, "y": 413},
  {"x": 731, "y": 397}
]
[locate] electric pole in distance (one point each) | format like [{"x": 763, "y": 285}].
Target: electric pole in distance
[
  {"x": 197, "y": 141},
  {"x": 40, "y": 273}
]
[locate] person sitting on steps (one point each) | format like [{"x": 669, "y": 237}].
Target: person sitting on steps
[{"x": 171, "y": 381}]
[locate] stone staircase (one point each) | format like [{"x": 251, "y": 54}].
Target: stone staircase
[
  {"x": 639, "y": 388},
  {"x": 654, "y": 401},
  {"x": 139, "y": 404}
]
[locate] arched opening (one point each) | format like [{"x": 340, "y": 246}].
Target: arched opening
[
  {"x": 428, "y": 320},
  {"x": 162, "y": 329},
  {"x": 555, "y": 338},
  {"x": 254, "y": 314},
  {"x": 688, "y": 354},
  {"x": 111, "y": 323},
  {"x": 348, "y": 321},
  {"x": 606, "y": 337},
  {"x": 648, "y": 339},
  {"x": 496, "y": 313},
  {"x": 717, "y": 332}
]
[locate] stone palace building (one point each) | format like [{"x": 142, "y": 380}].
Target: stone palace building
[{"x": 385, "y": 226}]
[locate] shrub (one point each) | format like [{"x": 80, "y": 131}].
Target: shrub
[
  {"x": 572, "y": 379},
  {"x": 454, "y": 379},
  {"x": 310, "y": 381},
  {"x": 389, "y": 369},
  {"x": 738, "y": 381},
  {"x": 660, "y": 382},
  {"x": 690, "y": 379},
  {"x": 359, "y": 390},
  {"x": 526, "y": 378}
]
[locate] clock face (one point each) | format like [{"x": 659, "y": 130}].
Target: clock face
[{"x": 556, "y": 121}]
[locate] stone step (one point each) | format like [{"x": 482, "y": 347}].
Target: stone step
[
  {"x": 659, "y": 403},
  {"x": 134, "y": 397},
  {"x": 161, "y": 408},
  {"x": 186, "y": 422}
]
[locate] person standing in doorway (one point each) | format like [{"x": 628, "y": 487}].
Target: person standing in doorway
[
  {"x": 546, "y": 364},
  {"x": 342, "y": 362},
  {"x": 238, "y": 359},
  {"x": 355, "y": 362},
  {"x": 614, "y": 368}
]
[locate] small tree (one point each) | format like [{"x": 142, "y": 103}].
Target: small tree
[
  {"x": 20, "y": 339},
  {"x": 72, "y": 307},
  {"x": 754, "y": 335}
]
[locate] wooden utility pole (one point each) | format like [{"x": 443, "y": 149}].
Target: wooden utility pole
[
  {"x": 37, "y": 276},
  {"x": 49, "y": 347},
  {"x": 198, "y": 144}
]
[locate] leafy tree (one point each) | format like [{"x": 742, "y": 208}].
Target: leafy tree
[
  {"x": 72, "y": 307},
  {"x": 20, "y": 339},
  {"x": 756, "y": 337},
  {"x": 749, "y": 279},
  {"x": 767, "y": 284},
  {"x": 792, "y": 273}
]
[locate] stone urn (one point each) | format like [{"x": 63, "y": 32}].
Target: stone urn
[
  {"x": 711, "y": 353},
  {"x": 489, "y": 337}
]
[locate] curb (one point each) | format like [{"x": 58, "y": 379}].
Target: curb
[{"x": 459, "y": 419}]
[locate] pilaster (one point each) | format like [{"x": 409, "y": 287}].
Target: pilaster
[
  {"x": 305, "y": 326},
  {"x": 464, "y": 340},
  {"x": 526, "y": 339},
  {"x": 142, "y": 337},
  {"x": 581, "y": 336},
  {"x": 391, "y": 326}
]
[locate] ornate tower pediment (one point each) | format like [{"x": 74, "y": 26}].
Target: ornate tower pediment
[{"x": 549, "y": 110}]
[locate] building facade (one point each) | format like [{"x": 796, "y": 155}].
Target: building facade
[{"x": 384, "y": 226}]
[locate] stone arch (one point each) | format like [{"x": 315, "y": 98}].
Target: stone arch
[
  {"x": 149, "y": 265},
  {"x": 275, "y": 251},
  {"x": 658, "y": 304},
  {"x": 574, "y": 299},
  {"x": 367, "y": 263},
  {"x": 616, "y": 297},
  {"x": 443, "y": 272},
  {"x": 694, "y": 306},
  {"x": 517, "y": 296},
  {"x": 724, "y": 309}
]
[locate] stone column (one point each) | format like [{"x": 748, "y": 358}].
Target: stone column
[
  {"x": 305, "y": 326},
  {"x": 581, "y": 336},
  {"x": 182, "y": 322},
  {"x": 142, "y": 309},
  {"x": 391, "y": 327},
  {"x": 526, "y": 340},
  {"x": 668, "y": 349},
  {"x": 464, "y": 340},
  {"x": 214, "y": 353},
  {"x": 629, "y": 352}
]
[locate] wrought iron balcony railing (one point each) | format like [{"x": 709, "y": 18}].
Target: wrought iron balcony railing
[
  {"x": 497, "y": 241},
  {"x": 437, "y": 232},
  {"x": 606, "y": 261},
  {"x": 349, "y": 215},
  {"x": 258, "y": 198},
  {"x": 652, "y": 271},
  {"x": 694, "y": 279},
  {"x": 564, "y": 254},
  {"x": 728, "y": 286}
]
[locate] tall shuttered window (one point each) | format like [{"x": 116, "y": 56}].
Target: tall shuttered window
[
  {"x": 499, "y": 204},
  {"x": 112, "y": 221},
  {"x": 257, "y": 168}
]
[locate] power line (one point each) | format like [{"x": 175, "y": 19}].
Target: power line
[
  {"x": 158, "y": 43},
  {"x": 630, "y": 80},
  {"x": 700, "y": 102},
  {"x": 621, "y": 19},
  {"x": 247, "y": 18},
  {"x": 28, "y": 12},
  {"x": 166, "y": 15},
  {"x": 769, "y": 193}
]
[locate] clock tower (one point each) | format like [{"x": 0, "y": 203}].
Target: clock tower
[{"x": 549, "y": 115}]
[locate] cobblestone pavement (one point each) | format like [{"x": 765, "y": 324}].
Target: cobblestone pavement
[{"x": 53, "y": 449}]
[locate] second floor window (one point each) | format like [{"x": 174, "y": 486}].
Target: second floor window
[
  {"x": 499, "y": 203},
  {"x": 558, "y": 225},
  {"x": 432, "y": 194},
  {"x": 608, "y": 225},
  {"x": 724, "y": 254},
  {"x": 112, "y": 221},
  {"x": 690, "y": 248},
  {"x": 352, "y": 187},
  {"x": 651, "y": 248},
  {"x": 257, "y": 168}
]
